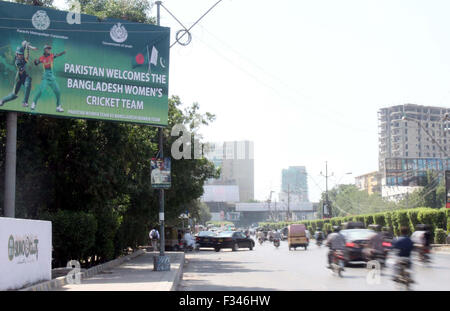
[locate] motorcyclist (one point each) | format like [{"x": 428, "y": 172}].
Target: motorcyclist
[
  {"x": 404, "y": 245},
  {"x": 260, "y": 235},
  {"x": 189, "y": 240},
  {"x": 422, "y": 238},
  {"x": 375, "y": 243},
  {"x": 319, "y": 236},
  {"x": 335, "y": 241},
  {"x": 276, "y": 235}
]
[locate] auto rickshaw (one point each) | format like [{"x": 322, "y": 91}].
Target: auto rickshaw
[{"x": 297, "y": 236}]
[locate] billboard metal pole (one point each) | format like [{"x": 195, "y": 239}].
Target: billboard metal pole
[
  {"x": 10, "y": 165},
  {"x": 161, "y": 263}
]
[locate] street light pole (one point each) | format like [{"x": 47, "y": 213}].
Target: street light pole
[{"x": 327, "y": 204}]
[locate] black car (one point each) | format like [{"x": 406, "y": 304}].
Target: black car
[
  {"x": 355, "y": 241},
  {"x": 233, "y": 240},
  {"x": 205, "y": 239}
]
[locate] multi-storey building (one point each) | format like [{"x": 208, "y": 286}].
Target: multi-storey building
[
  {"x": 294, "y": 184},
  {"x": 236, "y": 161},
  {"x": 400, "y": 138},
  {"x": 370, "y": 182},
  {"x": 412, "y": 140}
]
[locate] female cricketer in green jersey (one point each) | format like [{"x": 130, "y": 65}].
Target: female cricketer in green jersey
[
  {"x": 48, "y": 78},
  {"x": 22, "y": 77}
]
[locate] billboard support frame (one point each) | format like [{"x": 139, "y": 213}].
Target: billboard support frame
[{"x": 161, "y": 262}]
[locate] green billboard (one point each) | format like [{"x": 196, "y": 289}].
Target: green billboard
[{"x": 78, "y": 66}]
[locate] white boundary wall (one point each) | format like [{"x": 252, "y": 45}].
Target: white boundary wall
[{"x": 25, "y": 252}]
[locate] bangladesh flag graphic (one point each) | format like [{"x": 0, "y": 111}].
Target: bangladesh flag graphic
[{"x": 145, "y": 58}]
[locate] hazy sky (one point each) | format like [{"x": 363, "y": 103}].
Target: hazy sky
[{"x": 304, "y": 79}]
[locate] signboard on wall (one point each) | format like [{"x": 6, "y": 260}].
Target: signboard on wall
[
  {"x": 111, "y": 69},
  {"x": 25, "y": 252}
]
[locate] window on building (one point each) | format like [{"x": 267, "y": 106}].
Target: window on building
[
  {"x": 406, "y": 146},
  {"x": 406, "y": 131},
  {"x": 406, "y": 153}
]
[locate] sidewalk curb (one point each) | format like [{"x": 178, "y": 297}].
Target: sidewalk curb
[
  {"x": 179, "y": 274},
  {"x": 61, "y": 281}
]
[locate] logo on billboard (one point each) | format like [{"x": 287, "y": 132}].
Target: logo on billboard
[
  {"x": 118, "y": 33},
  {"x": 40, "y": 20}
]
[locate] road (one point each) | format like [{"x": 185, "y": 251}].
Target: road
[{"x": 267, "y": 268}]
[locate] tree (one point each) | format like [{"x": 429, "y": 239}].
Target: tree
[
  {"x": 349, "y": 200},
  {"x": 431, "y": 194}
]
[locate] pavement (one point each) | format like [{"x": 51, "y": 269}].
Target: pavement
[
  {"x": 134, "y": 275},
  {"x": 267, "y": 268}
]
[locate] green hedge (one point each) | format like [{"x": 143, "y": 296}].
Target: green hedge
[
  {"x": 394, "y": 220},
  {"x": 440, "y": 236}
]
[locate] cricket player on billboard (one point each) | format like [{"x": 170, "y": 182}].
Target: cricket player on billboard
[
  {"x": 48, "y": 77},
  {"x": 22, "y": 77}
]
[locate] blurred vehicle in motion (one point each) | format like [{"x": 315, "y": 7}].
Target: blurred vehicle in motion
[
  {"x": 233, "y": 240},
  {"x": 284, "y": 233},
  {"x": 337, "y": 262},
  {"x": 319, "y": 236},
  {"x": 276, "y": 238},
  {"x": 422, "y": 242},
  {"x": 402, "y": 267},
  {"x": 352, "y": 225},
  {"x": 376, "y": 249},
  {"x": 336, "y": 242},
  {"x": 189, "y": 243},
  {"x": 204, "y": 239},
  {"x": 355, "y": 242},
  {"x": 297, "y": 236}
]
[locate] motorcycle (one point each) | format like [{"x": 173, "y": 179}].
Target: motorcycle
[
  {"x": 337, "y": 262},
  {"x": 190, "y": 247},
  {"x": 402, "y": 273},
  {"x": 260, "y": 240},
  {"x": 276, "y": 242},
  {"x": 319, "y": 242},
  {"x": 424, "y": 254}
]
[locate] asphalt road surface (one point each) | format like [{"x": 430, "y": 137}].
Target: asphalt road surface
[{"x": 266, "y": 268}]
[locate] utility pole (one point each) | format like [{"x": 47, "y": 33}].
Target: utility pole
[
  {"x": 288, "y": 218},
  {"x": 327, "y": 202}
]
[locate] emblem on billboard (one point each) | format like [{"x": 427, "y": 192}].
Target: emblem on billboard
[
  {"x": 40, "y": 20},
  {"x": 118, "y": 33}
]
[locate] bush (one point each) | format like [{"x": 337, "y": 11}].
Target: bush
[
  {"x": 388, "y": 221},
  {"x": 73, "y": 235},
  {"x": 440, "y": 236},
  {"x": 368, "y": 220},
  {"x": 379, "y": 219},
  {"x": 413, "y": 220},
  {"x": 400, "y": 220},
  {"x": 327, "y": 228}
]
